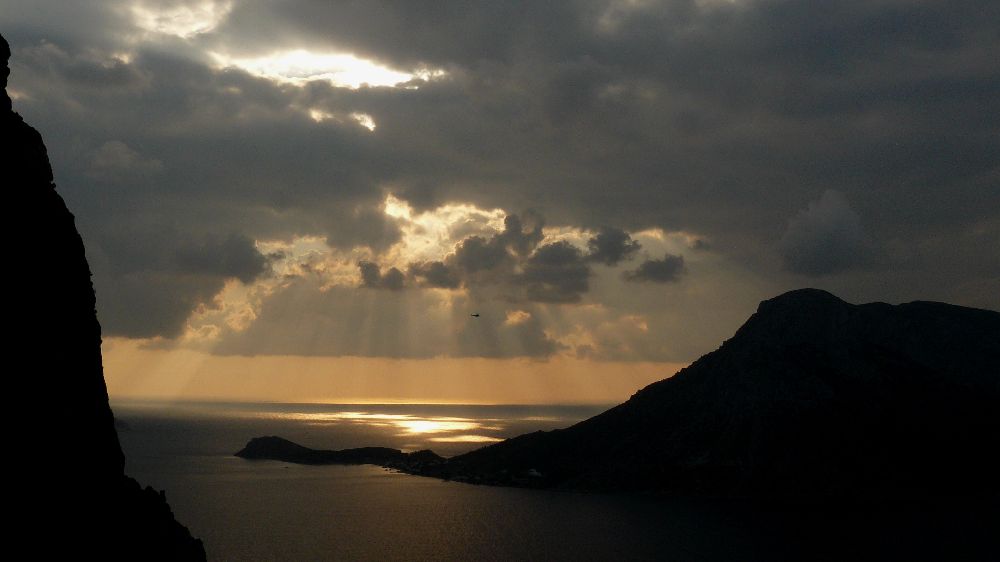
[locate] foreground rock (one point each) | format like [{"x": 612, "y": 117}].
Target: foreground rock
[{"x": 71, "y": 498}]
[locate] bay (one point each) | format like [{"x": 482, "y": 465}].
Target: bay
[{"x": 269, "y": 510}]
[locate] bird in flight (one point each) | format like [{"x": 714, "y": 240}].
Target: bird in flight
[{"x": 475, "y": 314}]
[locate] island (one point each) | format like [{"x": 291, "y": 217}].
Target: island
[{"x": 277, "y": 448}]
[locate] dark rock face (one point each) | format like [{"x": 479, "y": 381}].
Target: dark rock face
[
  {"x": 813, "y": 399},
  {"x": 78, "y": 500}
]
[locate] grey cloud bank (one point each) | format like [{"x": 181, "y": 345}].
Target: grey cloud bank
[{"x": 848, "y": 144}]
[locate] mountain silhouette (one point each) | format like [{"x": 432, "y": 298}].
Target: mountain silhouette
[
  {"x": 72, "y": 499},
  {"x": 812, "y": 399}
]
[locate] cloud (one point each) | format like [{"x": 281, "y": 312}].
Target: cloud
[
  {"x": 373, "y": 278},
  {"x": 436, "y": 274},
  {"x": 611, "y": 246},
  {"x": 151, "y": 303},
  {"x": 499, "y": 334},
  {"x": 516, "y": 241},
  {"x": 570, "y": 108},
  {"x": 364, "y": 226},
  {"x": 232, "y": 257},
  {"x": 519, "y": 236},
  {"x": 512, "y": 261},
  {"x": 667, "y": 270},
  {"x": 115, "y": 160},
  {"x": 158, "y": 277},
  {"x": 825, "y": 238},
  {"x": 393, "y": 279},
  {"x": 182, "y": 19},
  {"x": 556, "y": 273},
  {"x": 476, "y": 253},
  {"x": 300, "y": 319},
  {"x": 515, "y": 317}
]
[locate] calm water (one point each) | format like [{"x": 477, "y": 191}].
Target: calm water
[{"x": 269, "y": 510}]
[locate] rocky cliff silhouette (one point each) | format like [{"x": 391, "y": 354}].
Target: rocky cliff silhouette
[
  {"x": 67, "y": 467},
  {"x": 812, "y": 399}
]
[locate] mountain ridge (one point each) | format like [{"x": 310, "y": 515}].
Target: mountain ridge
[
  {"x": 812, "y": 399},
  {"x": 737, "y": 421}
]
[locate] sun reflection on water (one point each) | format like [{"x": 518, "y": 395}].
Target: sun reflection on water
[
  {"x": 443, "y": 429},
  {"x": 435, "y": 425},
  {"x": 466, "y": 439}
]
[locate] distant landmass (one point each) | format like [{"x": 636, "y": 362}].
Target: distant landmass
[
  {"x": 813, "y": 399},
  {"x": 276, "y": 448}
]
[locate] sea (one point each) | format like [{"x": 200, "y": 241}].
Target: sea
[{"x": 272, "y": 510}]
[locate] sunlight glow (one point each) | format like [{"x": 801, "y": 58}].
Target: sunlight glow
[
  {"x": 148, "y": 369},
  {"x": 340, "y": 69},
  {"x": 311, "y": 255},
  {"x": 397, "y": 208},
  {"x": 432, "y": 234},
  {"x": 421, "y": 426},
  {"x": 185, "y": 20},
  {"x": 359, "y": 417},
  {"x": 122, "y": 57},
  {"x": 515, "y": 317},
  {"x": 318, "y": 115},
  {"x": 406, "y": 423},
  {"x": 364, "y": 120},
  {"x": 466, "y": 439},
  {"x": 571, "y": 234}
]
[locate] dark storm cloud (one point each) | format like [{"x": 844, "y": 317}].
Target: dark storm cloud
[
  {"x": 150, "y": 303},
  {"x": 611, "y": 246},
  {"x": 825, "y": 238},
  {"x": 235, "y": 256},
  {"x": 365, "y": 226},
  {"x": 371, "y": 275},
  {"x": 667, "y": 270},
  {"x": 409, "y": 34},
  {"x": 722, "y": 119},
  {"x": 185, "y": 163},
  {"x": 373, "y": 278},
  {"x": 393, "y": 279},
  {"x": 115, "y": 161},
  {"x": 436, "y": 274},
  {"x": 512, "y": 261},
  {"x": 476, "y": 253},
  {"x": 556, "y": 273},
  {"x": 519, "y": 236},
  {"x": 152, "y": 279},
  {"x": 484, "y": 261},
  {"x": 502, "y": 250},
  {"x": 84, "y": 24}
]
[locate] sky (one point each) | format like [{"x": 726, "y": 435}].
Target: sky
[{"x": 307, "y": 201}]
